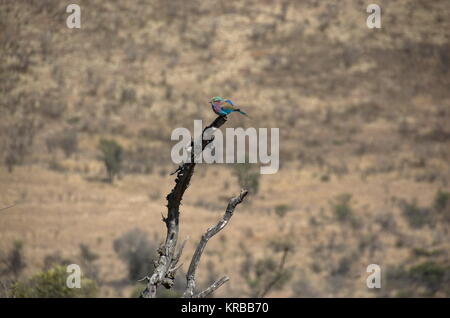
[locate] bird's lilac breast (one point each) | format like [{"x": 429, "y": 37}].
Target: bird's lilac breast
[{"x": 216, "y": 108}]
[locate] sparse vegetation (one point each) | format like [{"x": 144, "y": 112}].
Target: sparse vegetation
[
  {"x": 281, "y": 210},
  {"x": 425, "y": 279},
  {"x": 56, "y": 166},
  {"x": 441, "y": 200},
  {"x": 13, "y": 262},
  {"x": 342, "y": 209},
  {"x": 19, "y": 142},
  {"x": 87, "y": 262},
  {"x": 66, "y": 141},
  {"x": 52, "y": 284},
  {"x": 416, "y": 216},
  {"x": 135, "y": 249},
  {"x": 354, "y": 117},
  {"x": 442, "y": 204},
  {"x": 269, "y": 273},
  {"x": 111, "y": 156}
]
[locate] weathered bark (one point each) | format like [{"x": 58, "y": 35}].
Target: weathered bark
[
  {"x": 208, "y": 291},
  {"x": 166, "y": 266},
  {"x": 201, "y": 246}
]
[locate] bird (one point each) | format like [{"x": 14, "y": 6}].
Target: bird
[{"x": 223, "y": 107}]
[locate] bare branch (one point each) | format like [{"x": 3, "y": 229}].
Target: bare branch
[
  {"x": 168, "y": 258},
  {"x": 177, "y": 255},
  {"x": 208, "y": 291},
  {"x": 190, "y": 277}
]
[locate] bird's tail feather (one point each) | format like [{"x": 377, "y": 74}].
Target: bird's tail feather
[{"x": 242, "y": 112}]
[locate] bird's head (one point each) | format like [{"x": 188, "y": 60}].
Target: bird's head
[{"x": 216, "y": 99}]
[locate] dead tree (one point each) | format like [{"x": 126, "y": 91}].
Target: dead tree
[{"x": 167, "y": 264}]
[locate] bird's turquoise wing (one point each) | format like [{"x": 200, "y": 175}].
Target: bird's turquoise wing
[{"x": 229, "y": 105}]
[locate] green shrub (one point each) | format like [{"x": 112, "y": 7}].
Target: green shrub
[
  {"x": 430, "y": 274},
  {"x": 422, "y": 280},
  {"x": 416, "y": 216},
  {"x": 344, "y": 265},
  {"x": 13, "y": 261},
  {"x": 441, "y": 200},
  {"x": 87, "y": 254},
  {"x": 87, "y": 262},
  {"x": 341, "y": 207},
  {"x": 52, "y": 284},
  {"x": 111, "y": 156},
  {"x": 137, "y": 252}
]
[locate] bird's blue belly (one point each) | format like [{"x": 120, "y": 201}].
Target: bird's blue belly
[{"x": 227, "y": 111}]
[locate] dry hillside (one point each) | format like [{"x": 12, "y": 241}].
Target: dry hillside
[{"x": 364, "y": 118}]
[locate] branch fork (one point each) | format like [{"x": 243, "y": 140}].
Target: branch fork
[{"x": 166, "y": 265}]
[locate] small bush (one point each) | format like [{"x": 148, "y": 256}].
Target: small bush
[
  {"x": 344, "y": 265},
  {"x": 441, "y": 201},
  {"x": 88, "y": 258},
  {"x": 67, "y": 141},
  {"x": 341, "y": 207},
  {"x": 416, "y": 216},
  {"x": 111, "y": 156},
  {"x": 52, "y": 284},
  {"x": 429, "y": 274},
  {"x": 137, "y": 252},
  {"x": 426, "y": 279},
  {"x": 304, "y": 288},
  {"x": 56, "y": 166},
  {"x": 14, "y": 261},
  {"x": 19, "y": 139},
  {"x": 281, "y": 210},
  {"x": 128, "y": 95},
  {"x": 87, "y": 254}
]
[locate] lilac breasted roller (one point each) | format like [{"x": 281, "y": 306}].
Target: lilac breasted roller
[{"x": 223, "y": 107}]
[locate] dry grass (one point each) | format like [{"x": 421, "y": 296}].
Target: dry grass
[
  {"x": 67, "y": 210},
  {"x": 361, "y": 111}
]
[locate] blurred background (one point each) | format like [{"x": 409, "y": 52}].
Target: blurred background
[{"x": 364, "y": 118}]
